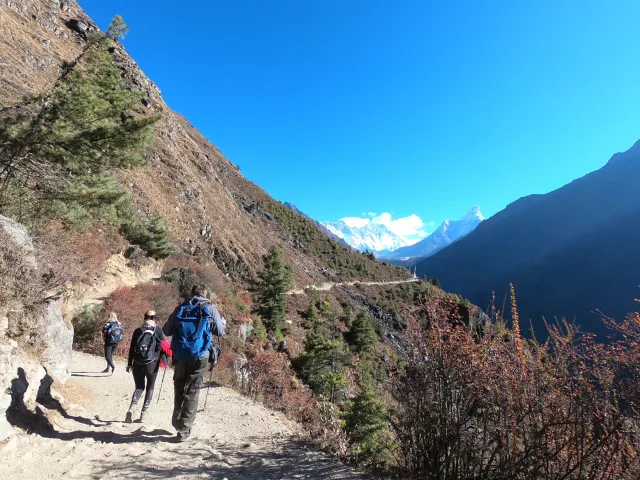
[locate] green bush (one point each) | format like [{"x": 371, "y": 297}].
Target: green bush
[
  {"x": 259, "y": 333},
  {"x": 86, "y": 327}
]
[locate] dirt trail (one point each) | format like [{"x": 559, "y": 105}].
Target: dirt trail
[
  {"x": 325, "y": 287},
  {"x": 233, "y": 437}
]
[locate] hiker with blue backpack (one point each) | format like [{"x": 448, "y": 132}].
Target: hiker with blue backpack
[
  {"x": 145, "y": 356},
  {"x": 192, "y": 327},
  {"x": 112, "y": 334}
]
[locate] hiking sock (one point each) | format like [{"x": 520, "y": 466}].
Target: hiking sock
[{"x": 147, "y": 398}]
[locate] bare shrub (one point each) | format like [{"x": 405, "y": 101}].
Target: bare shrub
[
  {"x": 70, "y": 255},
  {"x": 494, "y": 406},
  {"x": 20, "y": 289},
  {"x": 272, "y": 381}
]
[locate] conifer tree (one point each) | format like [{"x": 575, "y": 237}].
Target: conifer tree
[
  {"x": 259, "y": 333},
  {"x": 347, "y": 316},
  {"x": 58, "y": 150},
  {"x": 311, "y": 317},
  {"x": 270, "y": 290},
  {"x": 151, "y": 234},
  {"x": 323, "y": 365},
  {"x": 362, "y": 334},
  {"x": 366, "y": 423}
]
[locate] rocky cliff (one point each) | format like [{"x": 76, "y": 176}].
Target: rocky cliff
[{"x": 35, "y": 339}]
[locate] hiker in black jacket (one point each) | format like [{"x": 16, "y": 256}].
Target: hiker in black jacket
[
  {"x": 112, "y": 335},
  {"x": 144, "y": 360}
]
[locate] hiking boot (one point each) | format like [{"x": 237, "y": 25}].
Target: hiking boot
[
  {"x": 143, "y": 413},
  {"x": 113, "y": 369},
  {"x": 129, "y": 417},
  {"x": 175, "y": 422},
  {"x": 106, "y": 370},
  {"x": 183, "y": 437}
]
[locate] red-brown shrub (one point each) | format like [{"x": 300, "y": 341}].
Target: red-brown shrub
[
  {"x": 65, "y": 254},
  {"x": 490, "y": 405},
  {"x": 269, "y": 378},
  {"x": 130, "y": 304}
]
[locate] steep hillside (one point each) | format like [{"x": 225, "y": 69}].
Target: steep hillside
[
  {"x": 568, "y": 252},
  {"x": 215, "y": 214},
  {"x": 324, "y": 229}
]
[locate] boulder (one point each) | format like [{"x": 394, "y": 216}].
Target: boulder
[
  {"x": 58, "y": 336},
  {"x": 20, "y": 379},
  {"x": 77, "y": 25},
  {"x": 20, "y": 235}
]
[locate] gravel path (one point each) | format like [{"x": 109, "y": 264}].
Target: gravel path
[
  {"x": 325, "y": 287},
  {"x": 233, "y": 437}
]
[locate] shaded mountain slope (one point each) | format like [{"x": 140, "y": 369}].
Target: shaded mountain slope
[{"x": 568, "y": 252}]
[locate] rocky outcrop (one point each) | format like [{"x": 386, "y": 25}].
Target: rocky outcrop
[
  {"x": 24, "y": 366},
  {"x": 20, "y": 378},
  {"x": 59, "y": 342},
  {"x": 20, "y": 236}
]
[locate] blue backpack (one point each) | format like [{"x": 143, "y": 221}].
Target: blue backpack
[{"x": 192, "y": 337}]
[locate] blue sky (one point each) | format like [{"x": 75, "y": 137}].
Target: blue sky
[{"x": 418, "y": 107}]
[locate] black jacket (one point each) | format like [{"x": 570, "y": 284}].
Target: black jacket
[{"x": 134, "y": 339}]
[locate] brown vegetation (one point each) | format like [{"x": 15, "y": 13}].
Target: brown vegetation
[{"x": 492, "y": 405}]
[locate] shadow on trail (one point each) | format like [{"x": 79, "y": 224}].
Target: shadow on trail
[
  {"x": 195, "y": 459},
  {"x": 38, "y": 422},
  {"x": 90, "y": 374}
]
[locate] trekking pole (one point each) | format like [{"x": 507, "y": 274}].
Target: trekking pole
[
  {"x": 206, "y": 397},
  {"x": 161, "y": 384}
]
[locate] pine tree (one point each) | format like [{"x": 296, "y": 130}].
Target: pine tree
[
  {"x": 259, "y": 333},
  {"x": 270, "y": 290},
  {"x": 58, "y": 150},
  {"x": 362, "y": 334},
  {"x": 366, "y": 423},
  {"x": 323, "y": 365},
  {"x": 347, "y": 316},
  {"x": 311, "y": 317}
]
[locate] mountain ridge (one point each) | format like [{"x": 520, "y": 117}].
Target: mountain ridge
[
  {"x": 534, "y": 244},
  {"x": 375, "y": 237},
  {"x": 448, "y": 232}
]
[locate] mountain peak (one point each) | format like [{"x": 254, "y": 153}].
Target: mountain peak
[
  {"x": 372, "y": 236},
  {"x": 631, "y": 153},
  {"x": 474, "y": 213}
]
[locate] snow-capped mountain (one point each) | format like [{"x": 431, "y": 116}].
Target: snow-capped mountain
[
  {"x": 374, "y": 237},
  {"x": 446, "y": 234}
]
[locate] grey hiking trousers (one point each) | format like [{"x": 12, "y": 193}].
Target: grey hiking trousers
[{"x": 188, "y": 377}]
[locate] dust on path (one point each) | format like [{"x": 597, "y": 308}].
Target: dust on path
[
  {"x": 325, "y": 287},
  {"x": 233, "y": 437}
]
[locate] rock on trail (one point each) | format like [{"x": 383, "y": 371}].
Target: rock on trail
[{"x": 83, "y": 436}]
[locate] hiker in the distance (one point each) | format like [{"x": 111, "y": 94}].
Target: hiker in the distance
[
  {"x": 112, "y": 334},
  {"x": 145, "y": 355},
  {"x": 192, "y": 326}
]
